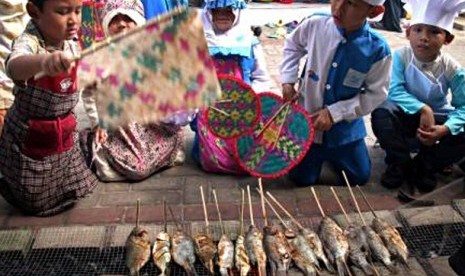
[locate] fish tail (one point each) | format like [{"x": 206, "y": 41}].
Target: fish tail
[
  {"x": 329, "y": 266},
  {"x": 404, "y": 263},
  {"x": 262, "y": 270},
  {"x": 342, "y": 268}
]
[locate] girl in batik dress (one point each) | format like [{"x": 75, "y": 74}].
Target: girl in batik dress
[{"x": 41, "y": 162}]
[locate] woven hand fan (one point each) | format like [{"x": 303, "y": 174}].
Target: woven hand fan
[
  {"x": 237, "y": 112},
  {"x": 280, "y": 140}
]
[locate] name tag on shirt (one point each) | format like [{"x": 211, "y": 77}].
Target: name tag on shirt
[{"x": 354, "y": 79}]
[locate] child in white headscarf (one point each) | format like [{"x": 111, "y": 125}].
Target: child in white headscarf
[
  {"x": 135, "y": 151},
  {"x": 237, "y": 52}
]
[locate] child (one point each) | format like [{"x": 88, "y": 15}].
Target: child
[
  {"x": 13, "y": 19},
  {"x": 40, "y": 158},
  {"x": 419, "y": 113},
  {"x": 236, "y": 51},
  {"x": 135, "y": 151},
  {"x": 346, "y": 77}
]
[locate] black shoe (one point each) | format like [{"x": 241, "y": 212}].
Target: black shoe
[
  {"x": 393, "y": 177},
  {"x": 422, "y": 178},
  {"x": 456, "y": 261}
]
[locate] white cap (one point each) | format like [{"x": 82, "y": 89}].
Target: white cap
[
  {"x": 439, "y": 13},
  {"x": 375, "y": 2},
  {"x": 131, "y": 8}
]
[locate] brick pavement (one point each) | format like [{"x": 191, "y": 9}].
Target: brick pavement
[{"x": 114, "y": 203}]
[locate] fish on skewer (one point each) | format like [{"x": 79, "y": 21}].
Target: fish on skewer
[
  {"x": 359, "y": 251},
  {"x": 299, "y": 248},
  {"x": 182, "y": 249},
  {"x": 241, "y": 258},
  {"x": 137, "y": 246},
  {"x": 334, "y": 241},
  {"x": 274, "y": 242},
  {"x": 377, "y": 248},
  {"x": 254, "y": 243},
  {"x": 225, "y": 246},
  {"x": 389, "y": 234},
  {"x": 161, "y": 248},
  {"x": 204, "y": 245},
  {"x": 310, "y": 236}
]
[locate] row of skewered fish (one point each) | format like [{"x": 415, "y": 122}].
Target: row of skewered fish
[{"x": 332, "y": 248}]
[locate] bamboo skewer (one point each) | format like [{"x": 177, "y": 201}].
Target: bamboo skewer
[
  {"x": 318, "y": 202},
  {"x": 220, "y": 111},
  {"x": 219, "y": 213},
  {"x": 165, "y": 223},
  {"x": 274, "y": 210},
  {"x": 110, "y": 40},
  {"x": 340, "y": 205},
  {"x": 281, "y": 127},
  {"x": 137, "y": 212},
  {"x": 205, "y": 213},
  {"x": 285, "y": 211},
  {"x": 250, "y": 206},
  {"x": 262, "y": 199},
  {"x": 242, "y": 213},
  {"x": 353, "y": 198},
  {"x": 366, "y": 201}
]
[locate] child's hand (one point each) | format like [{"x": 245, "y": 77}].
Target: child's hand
[
  {"x": 426, "y": 118},
  {"x": 289, "y": 92},
  {"x": 101, "y": 135},
  {"x": 431, "y": 136},
  {"x": 55, "y": 63},
  {"x": 322, "y": 120}
]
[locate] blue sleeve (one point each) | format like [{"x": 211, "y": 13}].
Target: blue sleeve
[
  {"x": 398, "y": 92},
  {"x": 456, "y": 119},
  {"x": 154, "y": 8}
]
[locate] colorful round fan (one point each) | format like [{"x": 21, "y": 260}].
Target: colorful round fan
[
  {"x": 280, "y": 140},
  {"x": 236, "y": 112}
]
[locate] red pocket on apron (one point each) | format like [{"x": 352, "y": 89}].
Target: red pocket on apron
[{"x": 48, "y": 137}]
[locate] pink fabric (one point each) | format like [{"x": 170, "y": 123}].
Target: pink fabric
[
  {"x": 216, "y": 154},
  {"x": 228, "y": 66}
]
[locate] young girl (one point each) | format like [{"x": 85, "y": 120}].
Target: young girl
[
  {"x": 236, "y": 51},
  {"x": 40, "y": 159},
  {"x": 135, "y": 151}
]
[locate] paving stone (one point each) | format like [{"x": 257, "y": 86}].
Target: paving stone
[
  {"x": 430, "y": 215},
  {"x": 151, "y": 214},
  {"x": 19, "y": 220},
  {"x": 159, "y": 183},
  {"x": 441, "y": 266},
  {"x": 195, "y": 212},
  {"x": 117, "y": 187},
  {"x": 96, "y": 216},
  {"x": 69, "y": 237},
  {"x": 15, "y": 240},
  {"x": 387, "y": 216},
  {"x": 146, "y": 198},
  {"x": 191, "y": 192},
  {"x": 89, "y": 201}
]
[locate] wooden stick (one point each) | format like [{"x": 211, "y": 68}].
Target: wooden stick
[
  {"x": 353, "y": 198},
  {"x": 220, "y": 111},
  {"x": 223, "y": 101},
  {"x": 137, "y": 212},
  {"x": 242, "y": 213},
  {"x": 262, "y": 199},
  {"x": 219, "y": 213},
  {"x": 318, "y": 202},
  {"x": 205, "y": 213},
  {"x": 174, "y": 219},
  {"x": 285, "y": 211},
  {"x": 281, "y": 127},
  {"x": 165, "y": 223},
  {"x": 250, "y": 206},
  {"x": 273, "y": 209},
  {"x": 366, "y": 201},
  {"x": 340, "y": 205},
  {"x": 110, "y": 40},
  {"x": 267, "y": 124}
]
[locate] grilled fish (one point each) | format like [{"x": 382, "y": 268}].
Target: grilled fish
[
  {"x": 182, "y": 251},
  {"x": 377, "y": 248},
  {"x": 335, "y": 243},
  {"x": 317, "y": 247},
  {"x": 302, "y": 254},
  {"x": 205, "y": 249},
  {"x": 242, "y": 260},
  {"x": 254, "y": 248},
  {"x": 225, "y": 255},
  {"x": 137, "y": 249},
  {"x": 161, "y": 252},
  {"x": 277, "y": 250},
  {"x": 392, "y": 240},
  {"x": 359, "y": 249}
]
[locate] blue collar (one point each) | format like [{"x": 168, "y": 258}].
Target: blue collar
[{"x": 355, "y": 34}]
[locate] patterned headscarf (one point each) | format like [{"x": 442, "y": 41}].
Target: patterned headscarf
[{"x": 132, "y": 8}]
